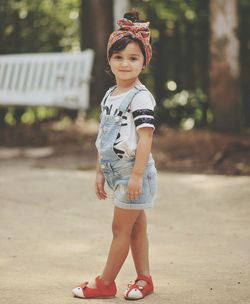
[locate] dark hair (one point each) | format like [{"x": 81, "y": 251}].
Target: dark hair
[
  {"x": 133, "y": 16},
  {"x": 121, "y": 44}
]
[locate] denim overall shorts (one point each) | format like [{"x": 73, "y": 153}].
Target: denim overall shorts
[{"x": 118, "y": 171}]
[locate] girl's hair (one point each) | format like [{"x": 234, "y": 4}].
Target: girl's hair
[{"x": 121, "y": 44}]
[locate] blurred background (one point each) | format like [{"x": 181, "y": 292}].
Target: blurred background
[{"x": 199, "y": 75}]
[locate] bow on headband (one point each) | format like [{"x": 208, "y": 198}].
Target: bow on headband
[{"x": 134, "y": 29}]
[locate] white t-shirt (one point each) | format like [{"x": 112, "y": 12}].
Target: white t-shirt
[{"x": 140, "y": 114}]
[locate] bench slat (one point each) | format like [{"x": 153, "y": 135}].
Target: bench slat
[
  {"x": 31, "y": 77},
  {"x": 14, "y": 83},
  {"x": 44, "y": 76},
  {"x": 7, "y": 75}
]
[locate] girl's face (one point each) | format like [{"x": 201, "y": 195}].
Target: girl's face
[{"x": 128, "y": 63}]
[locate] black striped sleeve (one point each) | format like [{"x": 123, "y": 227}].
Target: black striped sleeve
[
  {"x": 143, "y": 118},
  {"x": 143, "y": 112}
]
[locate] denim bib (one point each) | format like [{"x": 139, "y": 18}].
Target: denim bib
[{"x": 110, "y": 127}]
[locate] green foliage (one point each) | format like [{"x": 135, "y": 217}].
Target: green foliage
[
  {"x": 39, "y": 26},
  {"x": 180, "y": 36},
  {"x": 94, "y": 112},
  {"x": 9, "y": 117},
  {"x": 29, "y": 115},
  {"x": 180, "y": 58},
  {"x": 185, "y": 109}
]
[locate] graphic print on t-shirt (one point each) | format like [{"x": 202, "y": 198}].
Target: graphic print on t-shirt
[
  {"x": 139, "y": 114},
  {"x": 120, "y": 152}
]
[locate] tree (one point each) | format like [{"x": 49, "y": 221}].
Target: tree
[
  {"x": 224, "y": 65},
  {"x": 119, "y": 9},
  {"x": 96, "y": 25},
  {"x": 244, "y": 26}
]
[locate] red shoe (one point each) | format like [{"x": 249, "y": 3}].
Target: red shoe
[
  {"x": 137, "y": 292},
  {"x": 101, "y": 290}
]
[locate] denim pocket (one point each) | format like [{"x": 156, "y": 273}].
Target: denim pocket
[
  {"x": 108, "y": 178},
  {"x": 124, "y": 172},
  {"x": 152, "y": 179},
  {"x": 121, "y": 191}
]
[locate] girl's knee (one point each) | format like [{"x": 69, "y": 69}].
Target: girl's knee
[
  {"x": 120, "y": 230},
  {"x": 138, "y": 232},
  {"x": 124, "y": 221}
]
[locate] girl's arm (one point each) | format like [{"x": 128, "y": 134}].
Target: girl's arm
[
  {"x": 99, "y": 181},
  {"x": 142, "y": 154}
]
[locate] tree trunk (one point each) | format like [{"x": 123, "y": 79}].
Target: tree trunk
[
  {"x": 96, "y": 26},
  {"x": 224, "y": 65},
  {"x": 120, "y": 8},
  {"x": 245, "y": 60},
  {"x": 189, "y": 56}
]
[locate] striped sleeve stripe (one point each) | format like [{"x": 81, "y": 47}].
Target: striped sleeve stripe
[
  {"x": 143, "y": 112},
  {"x": 143, "y": 116},
  {"x": 144, "y": 120}
]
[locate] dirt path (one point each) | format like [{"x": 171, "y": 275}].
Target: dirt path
[{"x": 54, "y": 234}]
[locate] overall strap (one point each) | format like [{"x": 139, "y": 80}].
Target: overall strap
[
  {"x": 109, "y": 91},
  {"x": 128, "y": 99}
]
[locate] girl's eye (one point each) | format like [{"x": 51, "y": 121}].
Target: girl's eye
[
  {"x": 117, "y": 57},
  {"x": 133, "y": 58}
]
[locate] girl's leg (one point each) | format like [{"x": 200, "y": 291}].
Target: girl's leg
[
  {"x": 123, "y": 223},
  {"x": 139, "y": 246}
]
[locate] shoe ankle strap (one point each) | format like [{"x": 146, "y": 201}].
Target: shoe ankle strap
[
  {"x": 100, "y": 285},
  {"x": 143, "y": 277}
]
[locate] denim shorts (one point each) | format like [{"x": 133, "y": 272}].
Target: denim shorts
[{"x": 117, "y": 175}]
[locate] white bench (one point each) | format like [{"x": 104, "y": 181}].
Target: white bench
[{"x": 46, "y": 79}]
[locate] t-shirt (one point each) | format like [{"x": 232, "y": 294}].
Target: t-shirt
[{"x": 140, "y": 114}]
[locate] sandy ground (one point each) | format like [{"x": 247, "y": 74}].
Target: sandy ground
[{"x": 54, "y": 234}]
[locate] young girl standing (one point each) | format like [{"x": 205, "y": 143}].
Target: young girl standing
[{"x": 125, "y": 161}]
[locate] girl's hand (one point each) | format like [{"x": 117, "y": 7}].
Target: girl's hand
[
  {"x": 99, "y": 186},
  {"x": 135, "y": 186}
]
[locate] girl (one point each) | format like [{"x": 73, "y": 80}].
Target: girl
[{"x": 124, "y": 160}]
